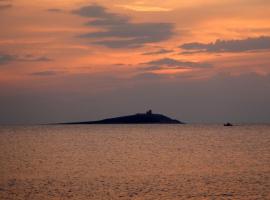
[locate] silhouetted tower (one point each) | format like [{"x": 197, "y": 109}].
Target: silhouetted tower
[{"x": 149, "y": 112}]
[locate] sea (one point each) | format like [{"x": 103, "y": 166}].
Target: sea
[{"x": 140, "y": 162}]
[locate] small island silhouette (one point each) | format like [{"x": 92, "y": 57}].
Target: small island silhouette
[{"x": 140, "y": 118}]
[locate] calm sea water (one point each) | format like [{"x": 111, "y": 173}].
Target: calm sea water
[{"x": 135, "y": 162}]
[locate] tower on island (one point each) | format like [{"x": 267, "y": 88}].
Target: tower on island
[{"x": 149, "y": 112}]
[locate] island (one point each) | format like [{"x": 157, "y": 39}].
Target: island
[{"x": 140, "y": 118}]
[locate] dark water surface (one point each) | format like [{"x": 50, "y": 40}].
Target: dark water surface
[{"x": 135, "y": 162}]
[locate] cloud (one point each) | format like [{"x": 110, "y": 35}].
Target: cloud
[
  {"x": 117, "y": 31},
  {"x": 219, "y": 46},
  {"x": 169, "y": 63},
  {"x": 5, "y": 6},
  {"x": 33, "y": 58},
  {"x": 250, "y": 30},
  {"x": 38, "y": 59},
  {"x": 160, "y": 51},
  {"x": 148, "y": 76},
  {"x": 54, "y": 10},
  {"x": 144, "y": 8},
  {"x": 46, "y": 73},
  {"x": 6, "y": 58}
]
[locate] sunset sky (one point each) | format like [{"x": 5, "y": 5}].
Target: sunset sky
[{"x": 197, "y": 60}]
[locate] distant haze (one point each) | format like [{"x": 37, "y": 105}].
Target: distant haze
[{"x": 223, "y": 98}]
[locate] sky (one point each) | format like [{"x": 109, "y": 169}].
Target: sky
[{"x": 200, "y": 61}]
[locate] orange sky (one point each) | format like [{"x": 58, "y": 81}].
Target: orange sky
[
  {"x": 43, "y": 43},
  {"x": 29, "y": 28}
]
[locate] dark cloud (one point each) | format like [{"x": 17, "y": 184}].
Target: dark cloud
[
  {"x": 249, "y": 44},
  {"x": 6, "y": 58},
  {"x": 169, "y": 63},
  {"x": 33, "y": 58},
  {"x": 117, "y": 31},
  {"x": 97, "y": 11},
  {"x": 5, "y": 6},
  {"x": 37, "y": 59},
  {"x": 160, "y": 51},
  {"x": 54, "y": 10},
  {"x": 148, "y": 76},
  {"x": 46, "y": 73}
]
